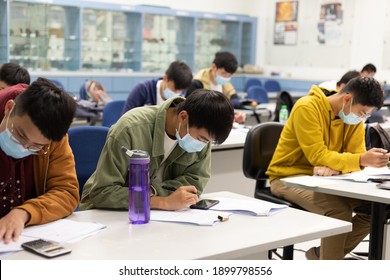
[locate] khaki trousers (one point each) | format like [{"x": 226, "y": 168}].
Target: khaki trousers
[{"x": 334, "y": 247}]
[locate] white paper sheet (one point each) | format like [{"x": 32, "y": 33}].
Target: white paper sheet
[
  {"x": 192, "y": 216},
  {"x": 250, "y": 207}
]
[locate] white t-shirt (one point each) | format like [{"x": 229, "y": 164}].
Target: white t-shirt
[
  {"x": 217, "y": 87},
  {"x": 169, "y": 145},
  {"x": 159, "y": 99},
  {"x": 332, "y": 85}
]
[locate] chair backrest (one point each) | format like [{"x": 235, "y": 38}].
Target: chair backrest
[
  {"x": 112, "y": 112},
  {"x": 87, "y": 143},
  {"x": 83, "y": 92},
  {"x": 57, "y": 83},
  {"x": 283, "y": 98},
  {"x": 260, "y": 144},
  {"x": 252, "y": 82},
  {"x": 258, "y": 93},
  {"x": 272, "y": 85}
]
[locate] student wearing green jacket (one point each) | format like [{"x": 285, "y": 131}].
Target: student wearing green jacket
[
  {"x": 324, "y": 136},
  {"x": 177, "y": 135}
]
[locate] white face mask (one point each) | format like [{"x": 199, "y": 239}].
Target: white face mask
[
  {"x": 169, "y": 93},
  {"x": 9, "y": 146},
  {"x": 351, "y": 118},
  {"x": 188, "y": 143}
]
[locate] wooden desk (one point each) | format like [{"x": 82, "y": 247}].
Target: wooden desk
[
  {"x": 366, "y": 191},
  {"x": 243, "y": 236}
]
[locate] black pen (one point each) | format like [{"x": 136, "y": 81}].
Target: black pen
[{"x": 172, "y": 189}]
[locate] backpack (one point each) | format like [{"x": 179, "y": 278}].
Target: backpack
[
  {"x": 96, "y": 93},
  {"x": 283, "y": 98},
  {"x": 377, "y": 137}
]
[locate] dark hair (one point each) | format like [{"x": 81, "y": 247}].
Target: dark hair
[
  {"x": 195, "y": 84},
  {"x": 180, "y": 73},
  {"x": 13, "y": 74},
  {"x": 348, "y": 76},
  {"x": 366, "y": 91},
  {"x": 369, "y": 68},
  {"x": 50, "y": 108},
  {"x": 210, "y": 110},
  {"x": 226, "y": 60}
]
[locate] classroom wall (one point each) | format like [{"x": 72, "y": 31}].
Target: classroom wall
[{"x": 365, "y": 36}]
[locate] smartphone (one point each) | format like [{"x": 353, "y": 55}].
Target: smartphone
[
  {"x": 45, "y": 248},
  {"x": 204, "y": 204}
]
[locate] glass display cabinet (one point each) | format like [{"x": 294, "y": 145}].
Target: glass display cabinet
[
  {"x": 166, "y": 39},
  {"x": 67, "y": 35},
  {"x": 213, "y": 35},
  {"x": 42, "y": 36},
  {"x": 109, "y": 40}
]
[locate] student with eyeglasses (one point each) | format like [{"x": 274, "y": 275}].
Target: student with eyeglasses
[
  {"x": 38, "y": 182},
  {"x": 177, "y": 135},
  {"x": 324, "y": 136}
]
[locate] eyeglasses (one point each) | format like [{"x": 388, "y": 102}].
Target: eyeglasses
[
  {"x": 35, "y": 149},
  {"x": 364, "y": 116}
]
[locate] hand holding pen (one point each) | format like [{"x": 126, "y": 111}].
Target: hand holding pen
[{"x": 182, "y": 197}]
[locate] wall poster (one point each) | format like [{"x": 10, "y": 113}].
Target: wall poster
[
  {"x": 286, "y": 23},
  {"x": 330, "y": 24}
]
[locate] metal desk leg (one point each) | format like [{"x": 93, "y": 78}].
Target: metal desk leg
[{"x": 378, "y": 220}]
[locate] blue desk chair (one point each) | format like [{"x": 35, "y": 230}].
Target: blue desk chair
[
  {"x": 252, "y": 82},
  {"x": 272, "y": 86},
  {"x": 258, "y": 93},
  {"x": 57, "y": 83},
  {"x": 112, "y": 111},
  {"x": 83, "y": 93},
  {"x": 87, "y": 143}
]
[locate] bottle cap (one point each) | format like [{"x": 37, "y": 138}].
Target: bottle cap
[{"x": 284, "y": 107}]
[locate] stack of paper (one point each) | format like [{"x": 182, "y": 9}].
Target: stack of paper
[{"x": 252, "y": 207}]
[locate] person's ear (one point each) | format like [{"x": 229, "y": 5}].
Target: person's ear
[
  {"x": 183, "y": 115},
  {"x": 8, "y": 106}
]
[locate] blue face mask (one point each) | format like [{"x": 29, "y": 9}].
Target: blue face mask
[
  {"x": 188, "y": 143},
  {"x": 169, "y": 93},
  {"x": 221, "y": 80},
  {"x": 351, "y": 118},
  {"x": 10, "y": 147}
]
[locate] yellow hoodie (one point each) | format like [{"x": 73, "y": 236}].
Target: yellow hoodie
[{"x": 314, "y": 136}]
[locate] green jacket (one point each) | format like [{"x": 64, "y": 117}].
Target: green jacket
[{"x": 142, "y": 128}]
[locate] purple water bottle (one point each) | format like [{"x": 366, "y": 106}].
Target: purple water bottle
[{"x": 139, "y": 187}]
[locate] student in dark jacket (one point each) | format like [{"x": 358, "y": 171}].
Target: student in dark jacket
[{"x": 176, "y": 79}]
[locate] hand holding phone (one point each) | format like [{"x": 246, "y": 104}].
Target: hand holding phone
[
  {"x": 204, "y": 204},
  {"x": 45, "y": 248}
]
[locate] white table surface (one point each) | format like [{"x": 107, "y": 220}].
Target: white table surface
[
  {"x": 241, "y": 236},
  {"x": 236, "y": 139},
  {"x": 366, "y": 191}
]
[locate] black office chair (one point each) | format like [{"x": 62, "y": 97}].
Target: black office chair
[{"x": 260, "y": 144}]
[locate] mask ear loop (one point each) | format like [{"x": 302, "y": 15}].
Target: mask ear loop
[{"x": 9, "y": 114}]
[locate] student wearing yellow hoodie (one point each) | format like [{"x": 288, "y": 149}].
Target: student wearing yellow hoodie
[{"x": 325, "y": 136}]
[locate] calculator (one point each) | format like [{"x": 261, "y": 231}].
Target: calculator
[{"x": 45, "y": 248}]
